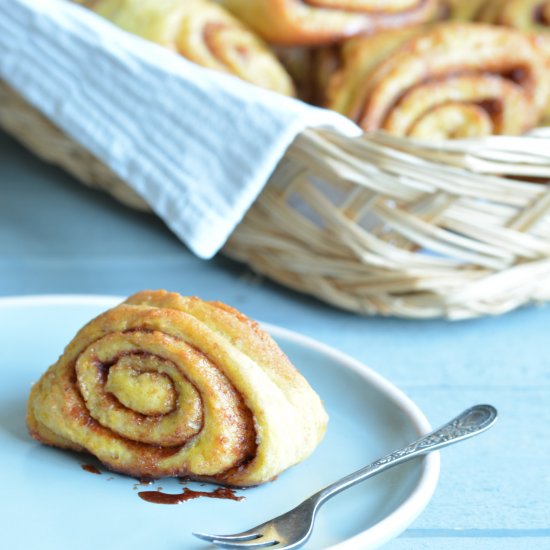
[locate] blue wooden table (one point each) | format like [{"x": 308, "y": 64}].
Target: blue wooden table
[{"x": 56, "y": 236}]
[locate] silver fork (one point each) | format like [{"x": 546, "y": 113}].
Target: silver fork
[{"x": 293, "y": 529}]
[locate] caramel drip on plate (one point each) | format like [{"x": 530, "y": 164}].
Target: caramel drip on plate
[{"x": 158, "y": 497}]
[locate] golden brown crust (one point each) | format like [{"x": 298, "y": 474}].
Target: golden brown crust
[
  {"x": 449, "y": 80},
  {"x": 317, "y": 22},
  {"x": 166, "y": 385},
  {"x": 531, "y": 16}
]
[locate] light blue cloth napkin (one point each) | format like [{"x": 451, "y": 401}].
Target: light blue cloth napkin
[{"x": 196, "y": 144}]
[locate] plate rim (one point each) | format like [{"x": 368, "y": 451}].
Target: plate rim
[{"x": 401, "y": 517}]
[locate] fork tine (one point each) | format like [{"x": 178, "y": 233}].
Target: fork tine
[
  {"x": 229, "y": 538},
  {"x": 227, "y": 542},
  {"x": 245, "y": 544}
]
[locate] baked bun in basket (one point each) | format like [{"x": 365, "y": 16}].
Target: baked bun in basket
[
  {"x": 532, "y": 16},
  {"x": 451, "y": 80},
  {"x": 315, "y": 22},
  {"x": 204, "y": 33}
]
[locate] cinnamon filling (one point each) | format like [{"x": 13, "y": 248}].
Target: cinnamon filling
[
  {"x": 541, "y": 14},
  {"x": 493, "y": 106},
  {"x": 240, "y": 417},
  {"x": 210, "y": 33}
]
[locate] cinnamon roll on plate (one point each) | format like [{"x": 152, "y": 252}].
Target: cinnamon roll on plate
[{"x": 166, "y": 385}]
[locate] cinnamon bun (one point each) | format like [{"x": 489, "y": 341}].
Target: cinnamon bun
[
  {"x": 204, "y": 33},
  {"x": 315, "y": 22},
  {"x": 448, "y": 81},
  {"x": 166, "y": 385}
]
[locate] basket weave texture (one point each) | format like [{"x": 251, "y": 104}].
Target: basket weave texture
[{"x": 375, "y": 225}]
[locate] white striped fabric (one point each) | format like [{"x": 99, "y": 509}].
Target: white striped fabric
[{"x": 197, "y": 145}]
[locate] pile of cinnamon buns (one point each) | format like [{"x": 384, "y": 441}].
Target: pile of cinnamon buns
[{"x": 430, "y": 69}]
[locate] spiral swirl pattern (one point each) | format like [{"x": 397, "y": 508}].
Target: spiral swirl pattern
[
  {"x": 450, "y": 81},
  {"x": 204, "y": 33},
  {"x": 532, "y": 16},
  {"x": 164, "y": 385},
  {"x": 316, "y": 22}
]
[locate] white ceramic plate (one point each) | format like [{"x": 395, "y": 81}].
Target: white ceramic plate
[{"x": 50, "y": 502}]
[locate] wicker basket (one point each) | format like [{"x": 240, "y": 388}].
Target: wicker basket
[{"x": 376, "y": 225}]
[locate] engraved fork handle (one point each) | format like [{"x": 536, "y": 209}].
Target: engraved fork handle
[{"x": 471, "y": 422}]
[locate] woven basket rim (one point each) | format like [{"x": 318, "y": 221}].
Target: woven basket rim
[{"x": 375, "y": 224}]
